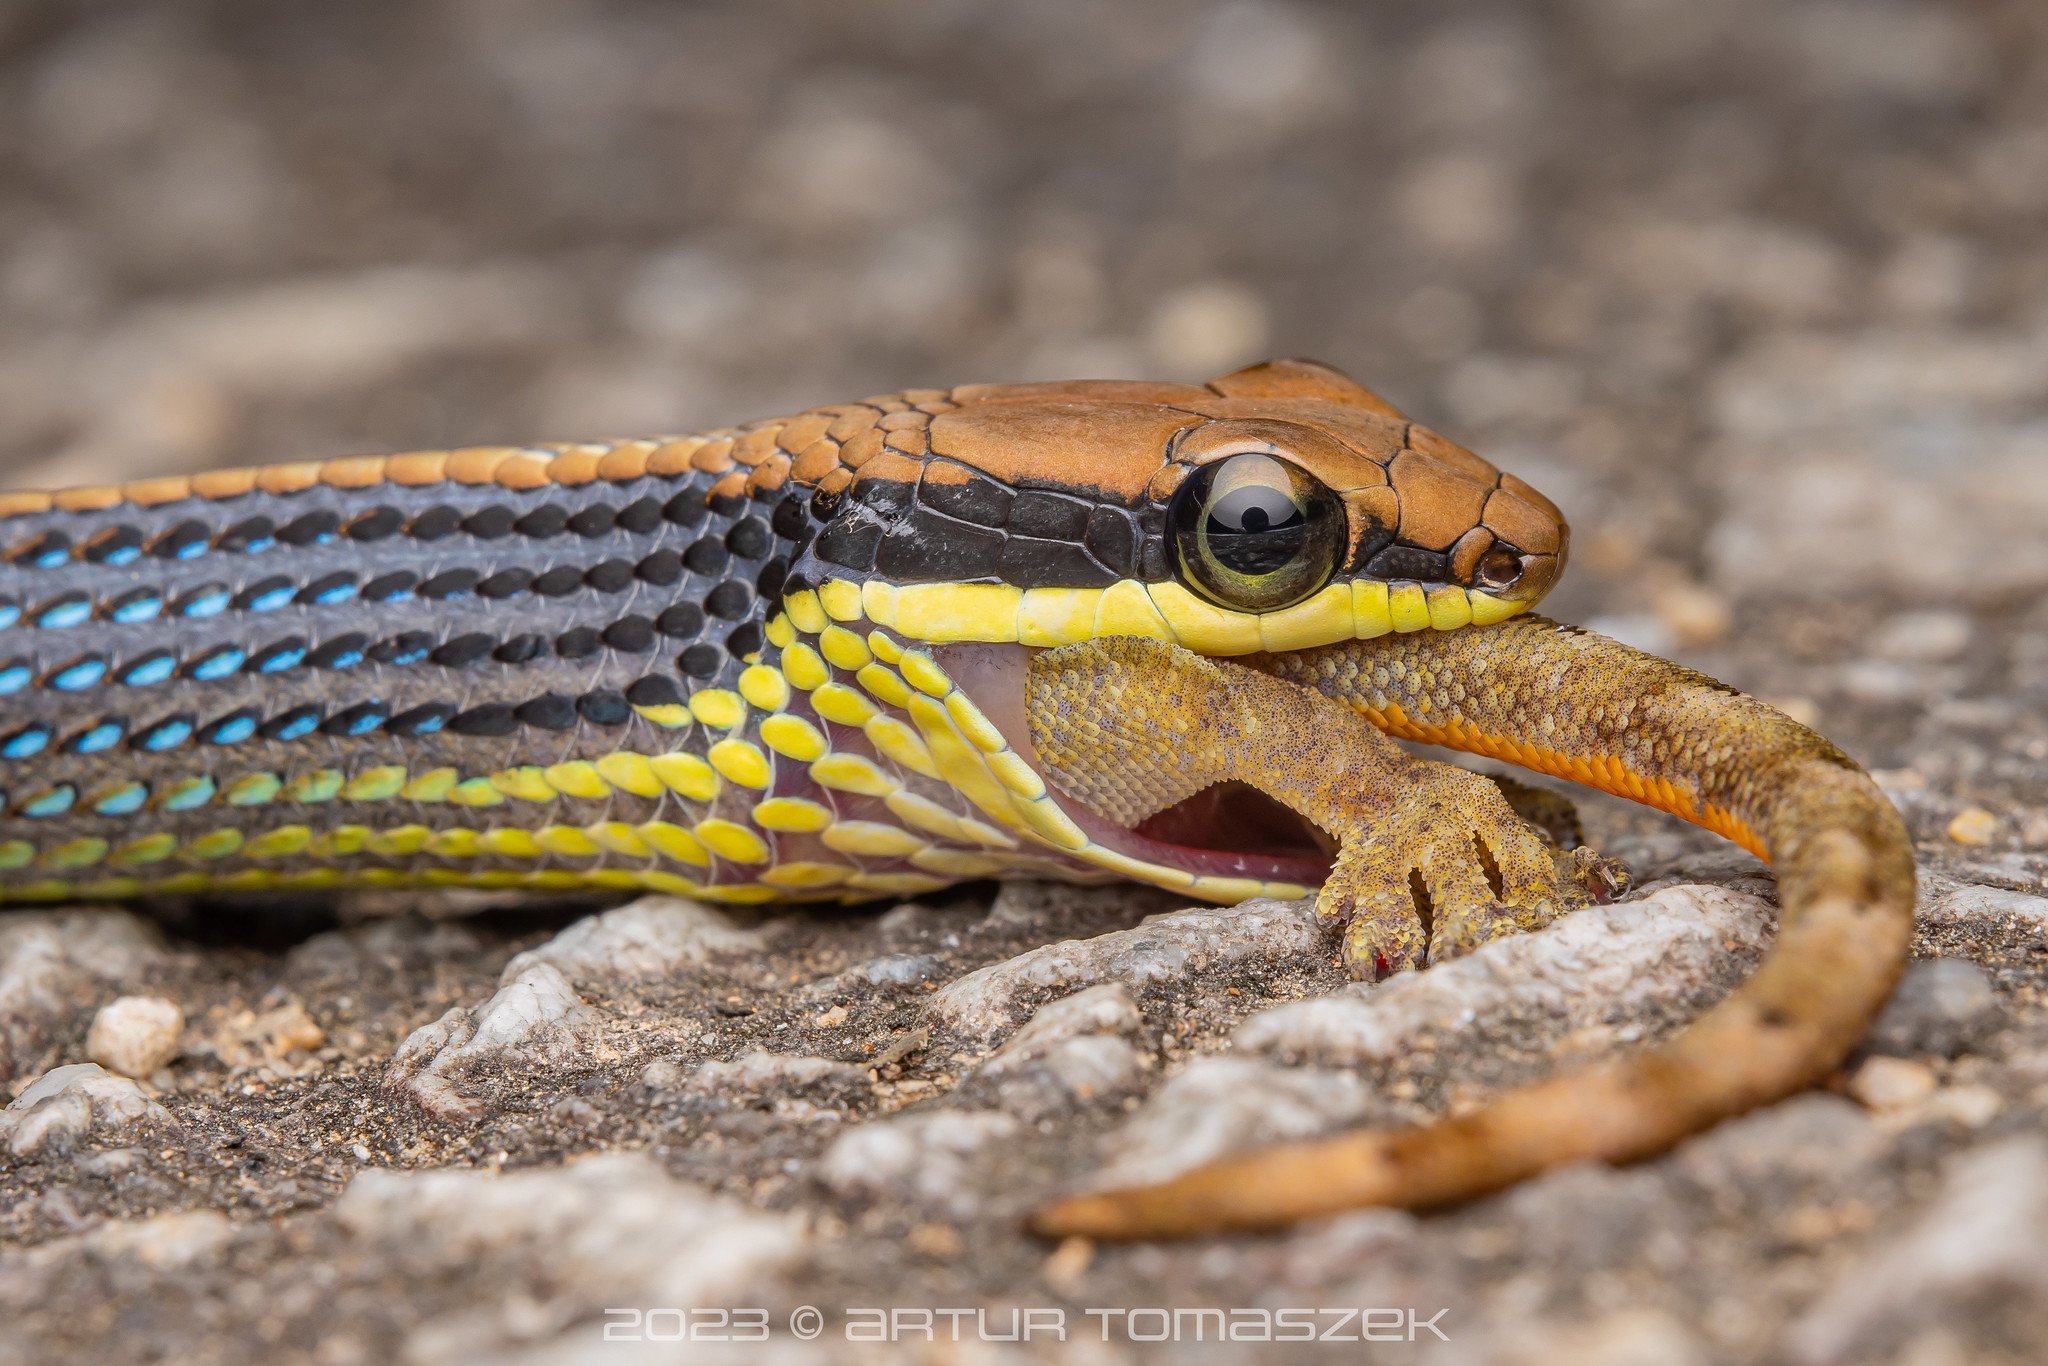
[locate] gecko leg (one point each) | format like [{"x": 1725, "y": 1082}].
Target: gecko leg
[
  {"x": 1551, "y": 812},
  {"x": 1432, "y": 861}
]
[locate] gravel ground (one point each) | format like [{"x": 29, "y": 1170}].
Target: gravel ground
[{"x": 1758, "y": 291}]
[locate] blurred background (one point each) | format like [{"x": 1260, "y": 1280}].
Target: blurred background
[{"x": 1757, "y": 290}]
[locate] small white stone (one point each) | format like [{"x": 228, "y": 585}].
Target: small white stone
[
  {"x": 135, "y": 1035},
  {"x": 1891, "y": 1083}
]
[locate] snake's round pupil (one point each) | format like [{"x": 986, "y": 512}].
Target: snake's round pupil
[{"x": 1255, "y": 533}]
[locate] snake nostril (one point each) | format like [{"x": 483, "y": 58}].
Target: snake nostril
[{"x": 1498, "y": 569}]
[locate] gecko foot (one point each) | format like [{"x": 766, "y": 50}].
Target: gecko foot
[{"x": 1451, "y": 867}]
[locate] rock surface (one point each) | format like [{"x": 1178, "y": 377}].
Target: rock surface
[
  {"x": 68, "y": 1105},
  {"x": 1753, "y": 290}
]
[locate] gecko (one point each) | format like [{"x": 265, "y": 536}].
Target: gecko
[{"x": 1089, "y": 630}]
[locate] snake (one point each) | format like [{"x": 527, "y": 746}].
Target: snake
[{"x": 1082, "y": 630}]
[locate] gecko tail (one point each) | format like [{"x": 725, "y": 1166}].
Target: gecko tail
[{"x": 1683, "y": 743}]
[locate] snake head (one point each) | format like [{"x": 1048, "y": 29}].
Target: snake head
[
  {"x": 1274, "y": 509},
  {"x": 1278, "y": 507}
]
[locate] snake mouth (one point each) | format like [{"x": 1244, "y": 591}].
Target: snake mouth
[{"x": 1229, "y": 830}]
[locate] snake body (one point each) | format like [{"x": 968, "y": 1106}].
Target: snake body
[
  {"x": 788, "y": 660},
  {"x": 708, "y": 665}
]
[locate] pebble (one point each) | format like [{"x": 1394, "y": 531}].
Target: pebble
[
  {"x": 1941, "y": 1006},
  {"x": 135, "y": 1035},
  {"x": 1980, "y": 1235},
  {"x": 535, "y": 1022},
  {"x": 67, "y": 1105},
  {"x": 1973, "y": 826},
  {"x": 1199, "y": 943},
  {"x": 1891, "y": 1083}
]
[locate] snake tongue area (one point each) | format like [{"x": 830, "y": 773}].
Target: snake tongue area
[{"x": 1228, "y": 830}]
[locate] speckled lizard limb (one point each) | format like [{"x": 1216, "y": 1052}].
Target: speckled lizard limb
[{"x": 782, "y": 660}]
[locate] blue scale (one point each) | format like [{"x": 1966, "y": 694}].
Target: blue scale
[
  {"x": 185, "y": 799},
  {"x": 25, "y": 744},
  {"x": 124, "y": 801},
  {"x": 209, "y": 601},
  {"x": 150, "y": 669},
  {"x": 54, "y": 801},
  {"x": 299, "y": 727},
  {"x": 283, "y": 660},
  {"x": 367, "y": 722},
  {"x": 131, "y": 610},
  {"x": 231, "y": 731},
  {"x": 64, "y": 612},
  {"x": 166, "y": 735},
  {"x": 219, "y": 664},
  {"x": 271, "y": 599},
  {"x": 103, "y": 736},
  {"x": 80, "y": 674}
]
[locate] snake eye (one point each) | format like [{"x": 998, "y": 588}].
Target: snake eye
[
  {"x": 1498, "y": 570},
  {"x": 1255, "y": 533}
]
